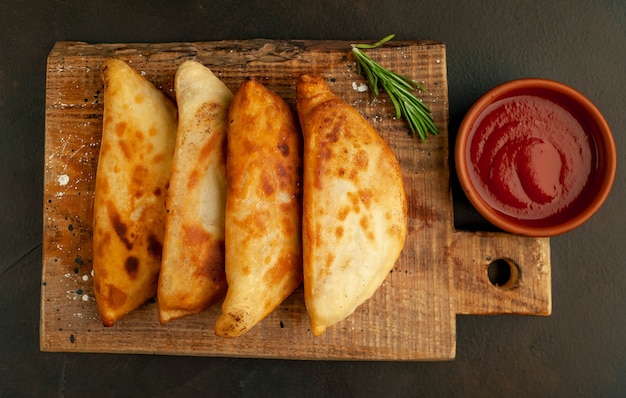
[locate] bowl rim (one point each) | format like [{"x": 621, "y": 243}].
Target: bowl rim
[{"x": 604, "y": 135}]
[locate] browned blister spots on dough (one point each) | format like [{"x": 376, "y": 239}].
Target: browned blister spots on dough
[
  {"x": 126, "y": 149},
  {"x": 339, "y": 232},
  {"x": 256, "y": 224},
  {"x": 119, "y": 226},
  {"x": 283, "y": 148},
  {"x": 313, "y": 231},
  {"x": 267, "y": 184},
  {"x": 285, "y": 265},
  {"x": 139, "y": 135},
  {"x": 120, "y": 128},
  {"x": 322, "y": 146},
  {"x": 284, "y": 177},
  {"x": 213, "y": 263},
  {"x": 394, "y": 230},
  {"x": 248, "y": 146},
  {"x": 328, "y": 264},
  {"x": 364, "y": 223},
  {"x": 131, "y": 265},
  {"x": 361, "y": 160},
  {"x": 324, "y": 153},
  {"x": 195, "y": 235},
  {"x": 104, "y": 187},
  {"x": 139, "y": 177},
  {"x": 104, "y": 238},
  {"x": 288, "y": 226},
  {"x": 355, "y": 200},
  {"x": 343, "y": 213},
  {"x": 155, "y": 247},
  {"x": 159, "y": 158},
  {"x": 194, "y": 179},
  {"x": 332, "y": 121},
  {"x": 366, "y": 196},
  {"x": 288, "y": 174},
  {"x": 105, "y": 147},
  {"x": 208, "y": 114},
  {"x": 211, "y": 258},
  {"x": 236, "y": 326},
  {"x": 116, "y": 297}
]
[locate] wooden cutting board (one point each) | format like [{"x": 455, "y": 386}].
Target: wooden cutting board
[{"x": 442, "y": 272}]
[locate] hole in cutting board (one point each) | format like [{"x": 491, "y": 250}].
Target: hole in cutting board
[{"x": 503, "y": 273}]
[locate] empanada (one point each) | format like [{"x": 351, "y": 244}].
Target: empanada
[
  {"x": 139, "y": 130},
  {"x": 192, "y": 272},
  {"x": 263, "y": 208},
  {"x": 354, "y": 206}
]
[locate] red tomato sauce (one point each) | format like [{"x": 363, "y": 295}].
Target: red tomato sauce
[{"x": 530, "y": 158}]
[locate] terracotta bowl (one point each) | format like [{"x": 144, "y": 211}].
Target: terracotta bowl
[{"x": 535, "y": 157}]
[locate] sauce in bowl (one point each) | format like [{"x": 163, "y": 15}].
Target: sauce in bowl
[
  {"x": 535, "y": 157},
  {"x": 529, "y": 157}
]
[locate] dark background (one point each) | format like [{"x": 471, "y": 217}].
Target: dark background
[{"x": 579, "y": 351}]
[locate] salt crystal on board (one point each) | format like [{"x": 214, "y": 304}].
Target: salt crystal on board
[
  {"x": 63, "y": 179},
  {"x": 361, "y": 88}
]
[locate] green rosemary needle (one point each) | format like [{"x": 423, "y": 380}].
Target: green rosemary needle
[{"x": 399, "y": 88}]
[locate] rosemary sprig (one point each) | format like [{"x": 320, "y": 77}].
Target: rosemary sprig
[{"x": 399, "y": 88}]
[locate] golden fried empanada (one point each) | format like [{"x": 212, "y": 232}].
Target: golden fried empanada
[
  {"x": 139, "y": 129},
  {"x": 192, "y": 272},
  {"x": 354, "y": 206},
  {"x": 263, "y": 210}
]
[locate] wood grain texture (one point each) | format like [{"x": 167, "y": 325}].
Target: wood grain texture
[{"x": 441, "y": 272}]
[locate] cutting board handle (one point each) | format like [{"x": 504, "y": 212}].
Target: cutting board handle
[{"x": 523, "y": 285}]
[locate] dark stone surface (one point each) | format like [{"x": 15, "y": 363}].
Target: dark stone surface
[{"x": 579, "y": 351}]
